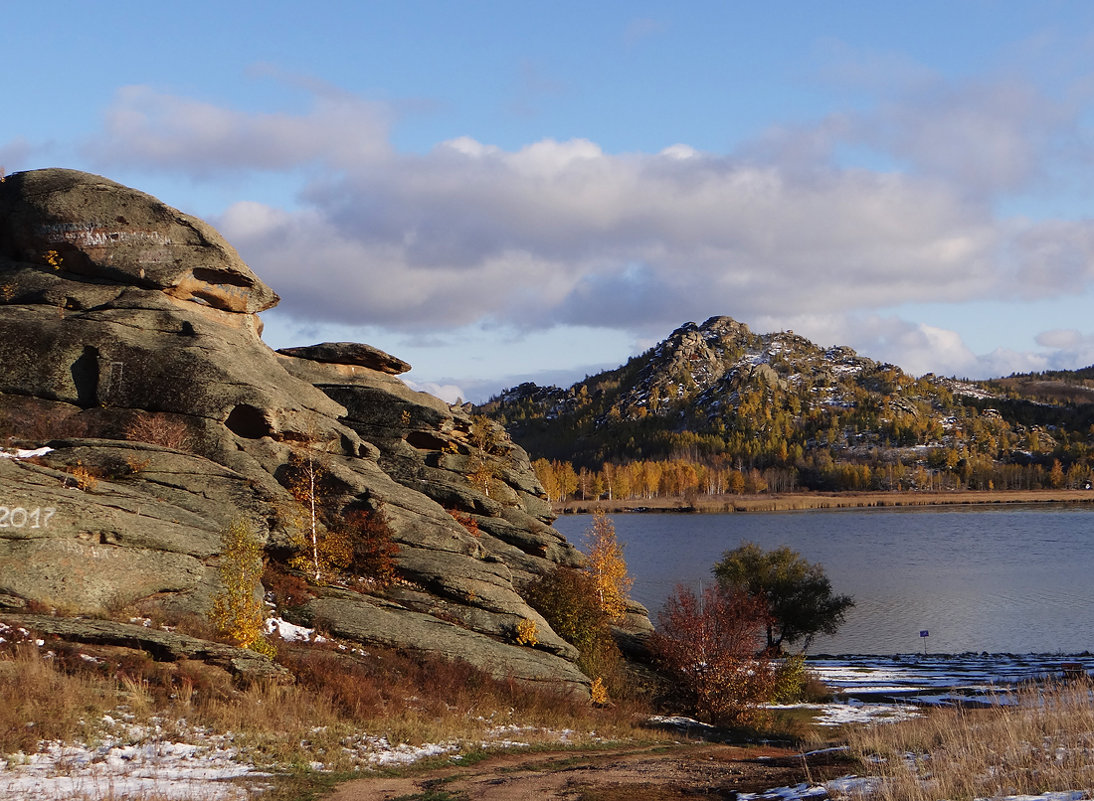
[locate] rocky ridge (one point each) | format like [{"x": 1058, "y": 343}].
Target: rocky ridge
[
  {"x": 122, "y": 320},
  {"x": 777, "y": 401}
]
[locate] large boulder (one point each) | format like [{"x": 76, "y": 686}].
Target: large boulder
[
  {"x": 129, "y": 342},
  {"x": 352, "y": 354},
  {"x": 94, "y": 227}
]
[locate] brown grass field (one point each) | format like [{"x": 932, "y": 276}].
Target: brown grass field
[{"x": 802, "y": 501}]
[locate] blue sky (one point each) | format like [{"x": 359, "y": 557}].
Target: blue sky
[{"x": 499, "y": 192}]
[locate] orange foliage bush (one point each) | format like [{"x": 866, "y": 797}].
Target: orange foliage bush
[
  {"x": 467, "y": 521},
  {"x": 373, "y": 548},
  {"x": 710, "y": 648}
]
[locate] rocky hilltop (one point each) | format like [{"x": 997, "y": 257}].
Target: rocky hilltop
[
  {"x": 130, "y": 346},
  {"x": 807, "y": 416}
]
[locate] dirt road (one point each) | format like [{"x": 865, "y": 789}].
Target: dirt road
[{"x": 650, "y": 773}]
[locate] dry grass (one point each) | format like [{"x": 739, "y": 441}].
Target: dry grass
[
  {"x": 825, "y": 500},
  {"x": 1044, "y": 743},
  {"x": 39, "y": 702},
  {"x": 170, "y": 431},
  {"x": 324, "y": 717}
]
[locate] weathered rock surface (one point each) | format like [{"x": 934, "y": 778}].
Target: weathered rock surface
[
  {"x": 350, "y": 353},
  {"x": 129, "y": 342},
  {"x": 374, "y": 621},
  {"x": 100, "y": 229},
  {"x": 161, "y": 645}
]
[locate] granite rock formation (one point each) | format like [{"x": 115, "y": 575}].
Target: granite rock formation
[{"x": 130, "y": 345}]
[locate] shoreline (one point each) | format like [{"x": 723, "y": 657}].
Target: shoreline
[{"x": 805, "y": 501}]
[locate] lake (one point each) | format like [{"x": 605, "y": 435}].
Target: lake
[{"x": 995, "y": 579}]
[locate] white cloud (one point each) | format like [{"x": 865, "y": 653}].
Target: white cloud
[
  {"x": 985, "y": 137},
  {"x": 562, "y": 232},
  {"x": 449, "y": 393},
  {"x": 642, "y": 28},
  {"x": 1060, "y": 338},
  {"x": 145, "y": 127},
  {"x": 918, "y": 348}
]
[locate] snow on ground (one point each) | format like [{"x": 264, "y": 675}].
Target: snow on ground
[
  {"x": 290, "y": 632},
  {"x": 853, "y": 711},
  {"x": 131, "y": 761},
  {"x": 22, "y": 453},
  {"x": 942, "y": 679},
  {"x": 853, "y": 787},
  {"x": 128, "y": 762}
]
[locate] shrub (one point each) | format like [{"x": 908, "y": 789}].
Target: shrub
[
  {"x": 29, "y": 419},
  {"x": 160, "y": 429},
  {"x": 86, "y": 477},
  {"x": 467, "y": 521},
  {"x": 791, "y": 680},
  {"x": 709, "y": 648},
  {"x": 598, "y": 693},
  {"x": 568, "y": 601},
  {"x": 287, "y": 589},
  {"x": 525, "y": 633},
  {"x": 373, "y": 550},
  {"x": 238, "y": 611}
]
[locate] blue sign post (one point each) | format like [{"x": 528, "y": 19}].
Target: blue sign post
[{"x": 923, "y": 635}]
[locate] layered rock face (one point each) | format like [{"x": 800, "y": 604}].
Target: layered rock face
[{"x": 129, "y": 342}]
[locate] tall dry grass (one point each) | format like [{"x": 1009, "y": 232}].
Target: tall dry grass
[
  {"x": 1042, "y": 743},
  {"x": 336, "y": 706},
  {"x": 38, "y": 702}
]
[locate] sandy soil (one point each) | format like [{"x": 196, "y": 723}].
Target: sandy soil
[
  {"x": 659, "y": 773},
  {"x": 827, "y": 500}
]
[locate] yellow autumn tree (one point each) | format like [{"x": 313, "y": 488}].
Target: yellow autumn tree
[
  {"x": 238, "y": 612},
  {"x": 607, "y": 567},
  {"x": 482, "y": 462}
]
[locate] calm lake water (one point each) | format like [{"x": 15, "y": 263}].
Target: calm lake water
[{"x": 1001, "y": 580}]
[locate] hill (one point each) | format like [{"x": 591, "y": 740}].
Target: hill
[{"x": 798, "y": 415}]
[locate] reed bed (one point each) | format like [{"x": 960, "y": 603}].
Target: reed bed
[{"x": 1039, "y": 740}]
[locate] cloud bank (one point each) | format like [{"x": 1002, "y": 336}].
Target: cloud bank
[{"x": 562, "y": 232}]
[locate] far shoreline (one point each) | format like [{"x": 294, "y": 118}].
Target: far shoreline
[{"x": 805, "y": 501}]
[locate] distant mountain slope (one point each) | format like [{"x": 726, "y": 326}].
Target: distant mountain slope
[{"x": 719, "y": 393}]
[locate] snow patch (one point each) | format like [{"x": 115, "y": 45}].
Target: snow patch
[
  {"x": 290, "y": 632},
  {"x": 22, "y": 453}
]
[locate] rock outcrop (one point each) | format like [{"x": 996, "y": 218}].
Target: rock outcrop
[{"x": 130, "y": 344}]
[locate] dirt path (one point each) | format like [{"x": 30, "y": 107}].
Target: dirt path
[{"x": 657, "y": 773}]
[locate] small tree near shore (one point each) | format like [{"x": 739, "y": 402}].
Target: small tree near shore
[
  {"x": 798, "y": 594},
  {"x": 607, "y": 567}
]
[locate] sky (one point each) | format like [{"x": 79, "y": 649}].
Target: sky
[{"x": 500, "y": 192}]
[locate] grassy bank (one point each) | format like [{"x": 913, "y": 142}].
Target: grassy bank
[
  {"x": 1040, "y": 744},
  {"x": 789, "y": 502}
]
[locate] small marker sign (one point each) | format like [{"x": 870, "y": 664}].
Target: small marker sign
[{"x": 924, "y": 633}]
